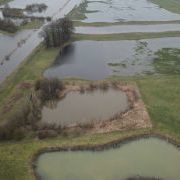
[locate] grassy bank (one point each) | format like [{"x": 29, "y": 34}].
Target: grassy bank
[
  {"x": 125, "y": 36},
  {"x": 101, "y": 24},
  {"x": 161, "y": 96},
  {"x": 173, "y": 5}
]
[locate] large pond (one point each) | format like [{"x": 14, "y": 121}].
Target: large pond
[
  {"x": 122, "y": 10},
  {"x": 99, "y": 59},
  {"x": 127, "y": 29},
  {"x": 150, "y": 157},
  {"x": 83, "y": 108}
]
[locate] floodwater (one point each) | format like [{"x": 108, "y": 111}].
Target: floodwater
[
  {"x": 97, "y": 60},
  {"x": 127, "y": 29},
  {"x": 124, "y": 10},
  {"x": 83, "y": 108},
  {"x": 53, "y": 6},
  {"x": 149, "y": 157},
  {"x": 15, "y": 48}
]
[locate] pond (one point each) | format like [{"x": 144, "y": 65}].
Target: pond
[
  {"x": 149, "y": 157},
  {"x": 83, "y": 108},
  {"x": 121, "y": 10},
  {"x": 96, "y": 60},
  {"x": 128, "y": 29}
]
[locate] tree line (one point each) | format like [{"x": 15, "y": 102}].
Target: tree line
[{"x": 57, "y": 32}]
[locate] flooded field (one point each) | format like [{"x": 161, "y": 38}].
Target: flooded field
[
  {"x": 14, "y": 49},
  {"x": 53, "y": 6},
  {"x": 128, "y": 29},
  {"x": 150, "y": 157},
  {"x": 83, "y": 108},
  {"x": 98, "y": 59},
  {"x": 124, "y": 10}
]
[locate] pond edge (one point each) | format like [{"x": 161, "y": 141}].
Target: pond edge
[{"x": 99, "y": 147}]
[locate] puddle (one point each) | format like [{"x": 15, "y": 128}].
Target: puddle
[
  {"x": 128, "y": 29},
  {"x": 149, "y": 157},
  {"x": 124, "y": 10},
  {"x": 83, "y": 108},
  {"x": 97, "y": 60}
]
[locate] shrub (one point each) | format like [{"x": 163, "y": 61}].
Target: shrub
[
  {"x": 49, "y": 88},
  {"x": 9, "y": 26},
  {"x": 58, "y": 32}
]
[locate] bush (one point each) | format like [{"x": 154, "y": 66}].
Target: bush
[
  {"x": 36, "y": 7},
  {"x": 58, "y": 32},
  {"x": 19, "y": 122},
  {"x": 48, "y": 88},
  {"x": 8, "y": 25}
]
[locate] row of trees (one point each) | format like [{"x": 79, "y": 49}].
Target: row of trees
[{"x": 58, "y": 32}]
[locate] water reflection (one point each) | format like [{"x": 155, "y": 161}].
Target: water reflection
[
  {"x": 99, "y": 59},
  {"x": 77, "y": 107}
]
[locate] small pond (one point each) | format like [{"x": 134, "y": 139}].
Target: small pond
[
  {"x": 149, "y": 157},
  {"x": 98, "y": 59},
  {"x": 83, "y": 108},
  {"x": 128, "y": 29},
  {"x": 121, "y": 10}
]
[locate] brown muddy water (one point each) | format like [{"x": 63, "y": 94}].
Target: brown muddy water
[
  {"x": 97, "y": 60},
  {"x": 149, "y": 157},
  {"x": 83, "y": 108}
]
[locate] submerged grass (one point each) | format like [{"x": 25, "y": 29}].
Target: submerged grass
[{"x": 167, "y": 61}]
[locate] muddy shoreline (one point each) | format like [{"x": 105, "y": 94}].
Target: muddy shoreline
[{"x": 99, "y": 147}]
